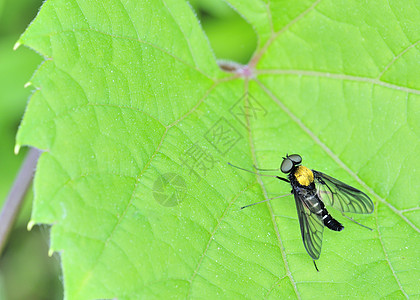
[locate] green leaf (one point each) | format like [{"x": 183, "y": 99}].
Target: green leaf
[
  {"x": 16, "y": 67},
  {"x": 138, "y": 124}
]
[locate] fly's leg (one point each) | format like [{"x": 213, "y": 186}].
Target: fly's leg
[
  {"x": 266, "y": 200},
  {"x": 316, "y": 268},
  {"x": 351, "y": 219}
]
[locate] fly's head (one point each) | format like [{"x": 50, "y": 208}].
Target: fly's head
[
  {"x": 291, "y": 165},
  {"x": 290, "y": 162}
]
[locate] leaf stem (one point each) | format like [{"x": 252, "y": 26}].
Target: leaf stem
[{"x": 17, "y": 194}]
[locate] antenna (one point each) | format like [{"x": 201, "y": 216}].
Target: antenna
[
  {"x": 265, "y": 175},
  {"x": 249, "y": 171}
]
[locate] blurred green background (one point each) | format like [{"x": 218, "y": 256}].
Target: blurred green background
[{"x": 26, "y": 271}]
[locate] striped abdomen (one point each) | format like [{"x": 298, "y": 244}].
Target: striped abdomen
[
  {"x": 316, "y": 206},
  {"x": 329, "y": 221}
]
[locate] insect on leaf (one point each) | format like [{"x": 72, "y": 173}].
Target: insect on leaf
[{"x": 138, "y": 122}]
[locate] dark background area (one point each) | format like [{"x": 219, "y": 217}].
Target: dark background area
[{"x": 26, "y": 270}]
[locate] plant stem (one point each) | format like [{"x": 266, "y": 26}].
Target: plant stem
[{"x": 17, "y": 194}]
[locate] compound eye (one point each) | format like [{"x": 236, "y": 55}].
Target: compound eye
[
  {"x": 295, "y": 158},
  {"x": 286, "y": 165}
]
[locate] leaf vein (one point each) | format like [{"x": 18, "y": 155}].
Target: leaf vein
[
  {"x": 339, "y": 77},
  {"x": 254, "y": 61},
  {"x": 386, "y": 255},
  {"x": 219, "y": 221},
  {"x": 182, "y": 31},
  {"x": 395, "y": 58},
  {"x": 125, "y": 210},
  {"x": 51, "y": 34},
  {"x": 270, "y": 209}
]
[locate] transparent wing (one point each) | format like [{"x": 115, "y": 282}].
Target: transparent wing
[
  {"x": 311, "y": 227},
  {"x": 341, "y": 196}
]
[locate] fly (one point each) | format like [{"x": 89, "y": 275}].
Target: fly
[{"x": 312, "y": 191}]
